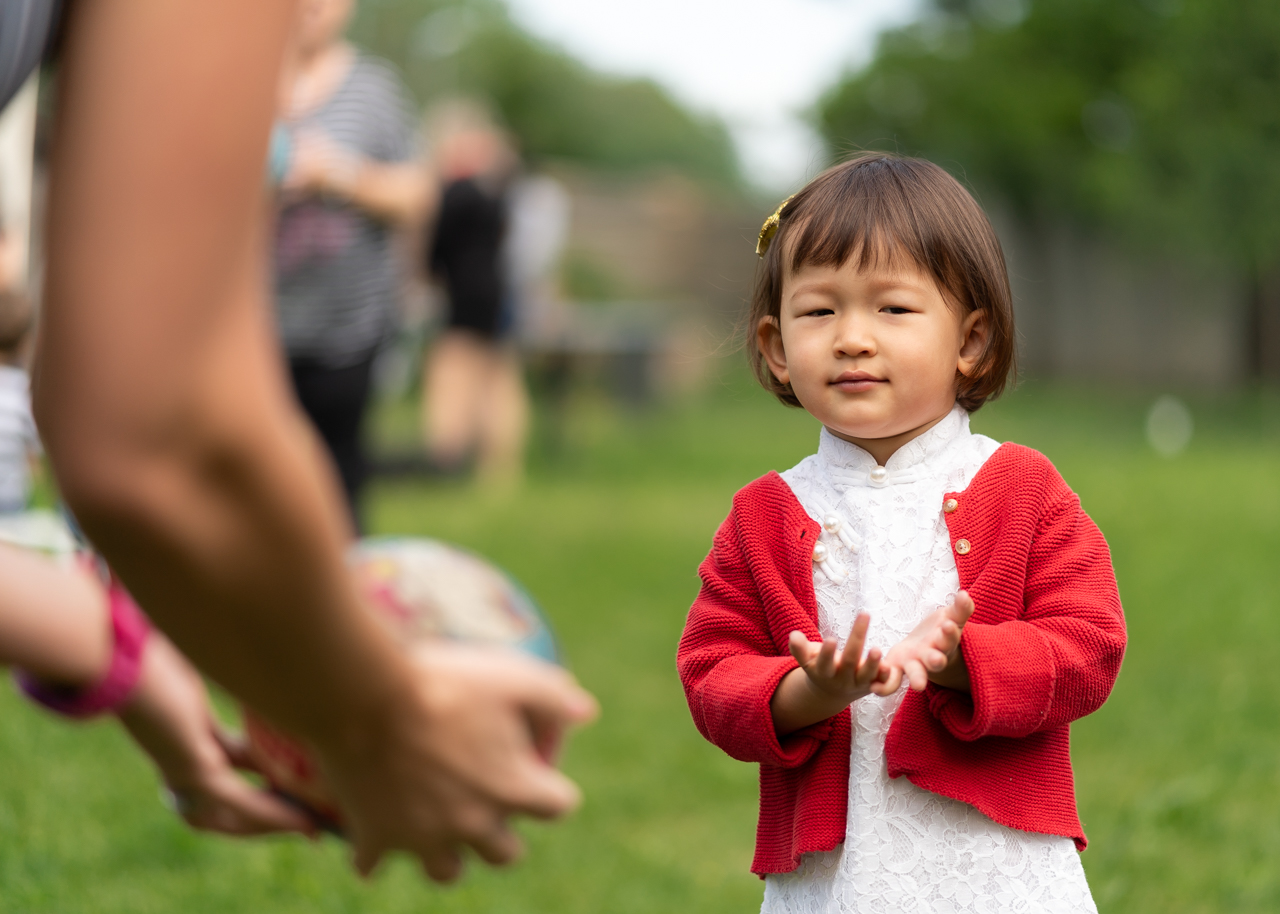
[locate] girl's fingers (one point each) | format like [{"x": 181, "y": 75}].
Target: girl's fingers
[
  {"x": 962, "y": 608},
  {"x": 802, "y": 649},
  {"x": 916, "y": 676},
  {"x": 934, "y": 661},
  {"x": 870, "y": 669},
  {"x": 851, "y": 656},
  {"x": 825, "y": 665},
  {"x": 890, "y": 683}
]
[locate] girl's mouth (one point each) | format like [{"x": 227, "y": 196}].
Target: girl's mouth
[{"x": 857, "y": 381}]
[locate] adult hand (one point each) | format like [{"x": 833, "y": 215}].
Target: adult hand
[
  {"x": 169, "y": 716},
  {"x": 931, "y": 651},
  {"x": 471, "y": 746}
]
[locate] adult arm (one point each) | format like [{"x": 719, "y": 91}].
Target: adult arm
[{"x": 162, "y": 400}]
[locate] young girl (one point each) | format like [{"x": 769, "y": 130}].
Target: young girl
[{"x": 966, "y": 567}]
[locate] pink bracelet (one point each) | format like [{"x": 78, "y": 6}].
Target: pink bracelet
[{"x": 130, "y": 629}]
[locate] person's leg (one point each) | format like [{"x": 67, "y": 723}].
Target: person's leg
[
  {"x": 504, "y": 419},
  {"x": 453, "y": 378},
  {"x": 337, "y": 400}
]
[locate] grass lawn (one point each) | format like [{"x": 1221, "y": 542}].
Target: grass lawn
[{"x": 1178, "y": 778}]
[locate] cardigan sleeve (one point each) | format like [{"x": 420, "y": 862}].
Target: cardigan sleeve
[
  {"x": 1056, "y": 663},
  {"x": 730, "y": 665}
]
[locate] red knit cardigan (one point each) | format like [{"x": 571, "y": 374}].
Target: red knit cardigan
[{"x": 1043, "y": 648}]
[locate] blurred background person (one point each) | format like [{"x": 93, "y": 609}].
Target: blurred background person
[
  {"x": 474, "y": 398},
  {"x": 351, "y": 181},
  {"x": 19, "y": 443}
]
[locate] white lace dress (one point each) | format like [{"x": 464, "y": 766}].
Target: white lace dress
[{"x": 888, "y": 554}]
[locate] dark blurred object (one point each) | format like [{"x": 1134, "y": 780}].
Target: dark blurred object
[
  {"x": 466, "y": 254},
  {"x": 1133, "y": 149}
]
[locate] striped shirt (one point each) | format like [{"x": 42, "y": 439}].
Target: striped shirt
[
  {"x": 337, "y": 278},
  {"x": 18, "y": 439},
  {"x": 26, "y": 30}
]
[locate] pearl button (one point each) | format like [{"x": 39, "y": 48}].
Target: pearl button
[
  {"x": 879, "y": 476},
  {"x": 831, "y": 523},
  {"x": 962, "y": 547},
  {"x": 820, "y": 552},
  {"x": 950, "y": 505}
]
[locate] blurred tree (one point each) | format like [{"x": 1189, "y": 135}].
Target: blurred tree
[
  {"x": 557, "y": 107},
  {"x": 1157, "y": 119}
]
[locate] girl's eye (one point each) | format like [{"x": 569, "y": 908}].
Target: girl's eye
[
  {"x": 818, "y": 312},
  {"x": 896, "y": 309}
]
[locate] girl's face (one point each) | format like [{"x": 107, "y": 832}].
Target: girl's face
[{"x": 873, "y": 354}]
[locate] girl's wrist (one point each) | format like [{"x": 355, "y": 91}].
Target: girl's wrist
[{"x": 798, "y": 703}]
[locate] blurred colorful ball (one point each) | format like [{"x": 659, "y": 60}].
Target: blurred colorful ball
[{"x": 423, "y": 589}]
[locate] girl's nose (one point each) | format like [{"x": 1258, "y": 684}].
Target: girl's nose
[{"x": 854, "y": 338}]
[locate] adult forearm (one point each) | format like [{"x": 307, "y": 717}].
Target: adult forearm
[{"x": 158, "y": 386}]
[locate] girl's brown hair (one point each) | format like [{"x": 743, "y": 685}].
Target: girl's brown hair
[{"x": 878, "y": 208}]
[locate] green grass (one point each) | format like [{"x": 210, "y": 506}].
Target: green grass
[{"x": 1177, "y": 776}]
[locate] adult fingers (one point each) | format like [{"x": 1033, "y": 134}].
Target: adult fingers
[
  {"x": 366, "y": 854},
  {"x": 442, "y": 865},
  {"x": 498, "y": 845},
  {"x": 551, "y": 693}
]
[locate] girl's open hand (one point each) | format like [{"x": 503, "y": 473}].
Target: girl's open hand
[
  {"x": 930, "y": 652},
  {"x": 828, "y": 680}
]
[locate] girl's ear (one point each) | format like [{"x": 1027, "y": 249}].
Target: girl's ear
[
  {"x": 975, "y": 332},
  {"x": 769, "y": 342}
]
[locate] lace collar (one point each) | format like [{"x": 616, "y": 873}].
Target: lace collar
[{"x": 849, "y": 465}]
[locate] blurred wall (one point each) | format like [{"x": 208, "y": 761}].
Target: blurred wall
[
  {"x": 663, "y": 237},
  {"x": 1091, "y": 310}
]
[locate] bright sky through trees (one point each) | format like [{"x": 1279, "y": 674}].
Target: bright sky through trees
[{"x": 757, "y": 63}]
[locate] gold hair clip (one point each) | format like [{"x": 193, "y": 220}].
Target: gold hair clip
[{"x": 770, "y": 227}]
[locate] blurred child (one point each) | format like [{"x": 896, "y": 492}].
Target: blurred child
[
  {"x": 19, "y": 443},
  {"x": 966, "y": 569}
]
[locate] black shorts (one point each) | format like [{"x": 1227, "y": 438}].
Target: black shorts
[{"x": 27, "y": 32}]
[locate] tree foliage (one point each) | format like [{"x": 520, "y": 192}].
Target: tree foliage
[
  {"x": 1158, "y": 119},
  {"x": 555, "y": 105}
]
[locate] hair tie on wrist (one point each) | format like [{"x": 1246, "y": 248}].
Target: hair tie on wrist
[
  {"x": 129, "y": 629},
  {"x": 770, "y": 227}
]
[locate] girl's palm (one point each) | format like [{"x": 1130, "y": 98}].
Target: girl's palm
[
  {"x": 930, "y": 648},
  {"x": 839, "y": 673}
]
